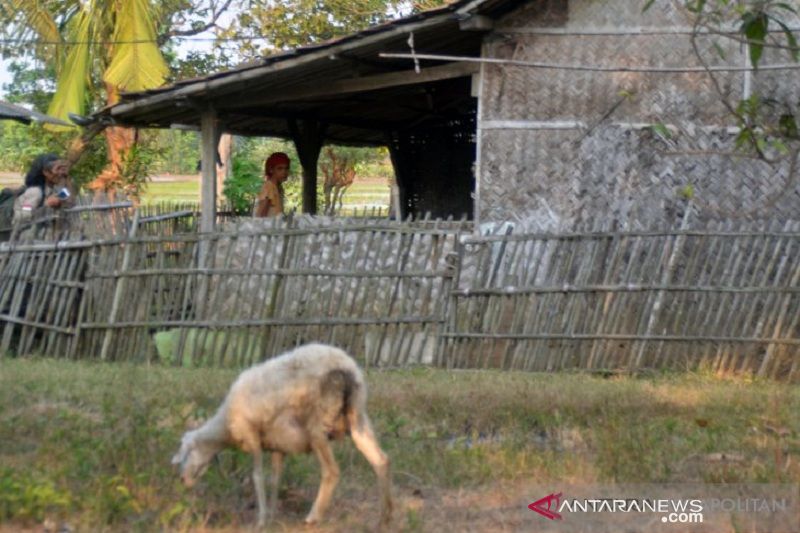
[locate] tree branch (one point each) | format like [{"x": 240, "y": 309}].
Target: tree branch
[
  {"x": 194, "y": 31},
  {"x": 721, "y": 93},
  {"x": 736, "y": 38}
]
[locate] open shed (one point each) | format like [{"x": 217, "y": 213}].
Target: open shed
[{"x": 344, "y": 92}]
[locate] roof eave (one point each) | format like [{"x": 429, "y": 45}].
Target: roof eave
[{"x": 199, "y": 88}]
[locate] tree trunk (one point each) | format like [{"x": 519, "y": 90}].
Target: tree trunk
[
  {"x": 119, "y": 141},
  {"x": 225, "y": 170},
  {"x": 79, "y": 143}
]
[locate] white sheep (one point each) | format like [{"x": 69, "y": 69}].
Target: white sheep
[{"x": 294, "y": 403}]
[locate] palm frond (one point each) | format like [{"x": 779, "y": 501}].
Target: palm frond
[
  {"x": 73, "y": 80},
  {"x": 136, "y": 61},
  {"x": 34, "y": 16}
]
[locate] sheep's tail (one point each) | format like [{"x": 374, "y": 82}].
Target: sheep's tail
[
  {"x": 355, "y": 409},
  {"x": 341, "y": 394}
]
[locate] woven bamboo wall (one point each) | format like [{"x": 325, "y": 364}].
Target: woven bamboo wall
[{"x": 566, "y": 149}]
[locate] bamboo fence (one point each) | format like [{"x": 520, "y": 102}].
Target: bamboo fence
[
  {"x": 88, "y": 221},
  {"x": 724, "y": 300},
  {"x": 229, "y": 298},
  {"x": 411, "y": 292}
]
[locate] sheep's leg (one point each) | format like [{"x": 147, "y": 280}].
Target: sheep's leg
[
  {"x": 329, "y": 477},
  {"x": 258, "y": 481},
  {"x": 275, "y": 480},
  {"x": 364, "y": 439}
]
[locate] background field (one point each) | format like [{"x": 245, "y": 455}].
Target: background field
[
  {"x": 89, "y": 445},
  {"x": 186, "y": 188}
]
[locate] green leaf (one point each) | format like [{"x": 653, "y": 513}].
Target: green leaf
[
  {"x": 790, "y": 38},
  {"x": 719, "y": 50},
  {"x": 754, "y": 26},
  {"x": 745, "y": 137},
  {"x": 687, "y": 191},
  {"x": 779, "y": 146},
  {"x": 661, "y": 129},
  {"x": 788, "y": 126},
  {"x": 647, "y": 5},
  {"x": 697, "y": 6}
]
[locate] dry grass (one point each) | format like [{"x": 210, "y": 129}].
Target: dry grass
[{"x": 89, "y": 444}]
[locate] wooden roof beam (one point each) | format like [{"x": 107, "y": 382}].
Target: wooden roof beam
[
  {"x": 366, "y": 84},
  {"x": 476, "y": 23}
]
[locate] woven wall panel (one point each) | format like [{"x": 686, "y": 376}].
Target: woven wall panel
[
  {"x": 571, "y": 14},
  {"x": 780, "y": 86},
  {"x": 604, "y": 173},
  {"x": 537, "y": 13},
  {"x": 523, "y": 93},
  {"x": 628, "y": 178}
]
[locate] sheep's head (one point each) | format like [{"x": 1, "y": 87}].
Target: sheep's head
[{"x": 193, "y": 459}]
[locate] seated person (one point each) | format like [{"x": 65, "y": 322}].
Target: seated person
[{"x": 46, "y": 183}]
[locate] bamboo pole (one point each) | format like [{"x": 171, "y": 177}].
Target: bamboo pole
[
  {"x": 610, "y": 261},
  {"x": 34, "y": 300},
  {"x": 672, "y": 263},
  {"x": 624, "y": 337},
  {"x": 768, "y": 305},
  {"x": 119, "y": 290},
  {"x": 784, "y": 307}
]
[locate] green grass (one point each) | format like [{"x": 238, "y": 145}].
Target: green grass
[
  {"x": 181, "y": 191},
  {"x": 360, "y": 193},
  {"x": 171, "y": 191},
  {"x": 90, "y": 443}
]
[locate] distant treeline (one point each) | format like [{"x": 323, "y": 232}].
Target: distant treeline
[
  {"x": 168, "y": 151},
  {"x": 171, "y": 151}
]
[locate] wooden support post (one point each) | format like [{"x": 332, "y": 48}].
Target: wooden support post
[
  {"x": 308, "y": 136},
  {"x": 209, "y": 141},
  {"x": 401, "y": 174},
  {"x": 208, "y": 188}
]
